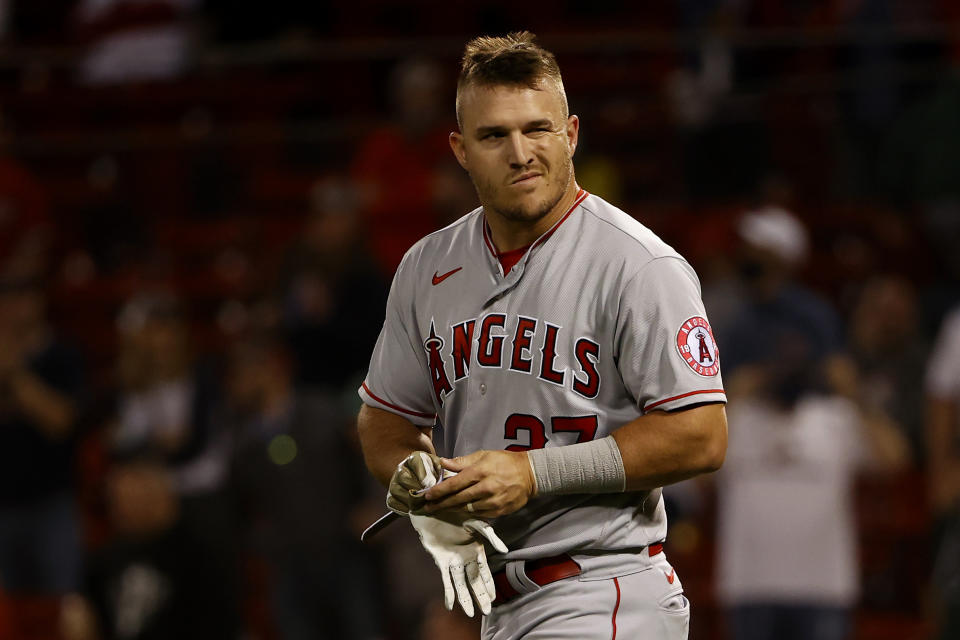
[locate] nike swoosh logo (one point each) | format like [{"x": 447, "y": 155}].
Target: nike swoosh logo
[
  {"x": 672, "y": 576},
  {"x": 438, "y": 279}
]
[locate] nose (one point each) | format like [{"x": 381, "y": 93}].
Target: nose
[{"x": 520, "y": 154}]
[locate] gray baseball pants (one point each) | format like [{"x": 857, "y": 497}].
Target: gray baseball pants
[{"x": 645, "y": 605}]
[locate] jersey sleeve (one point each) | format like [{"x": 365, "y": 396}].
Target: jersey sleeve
[
  {"x": 666, "y": 352},
  {"x": 396, "y": 380}
]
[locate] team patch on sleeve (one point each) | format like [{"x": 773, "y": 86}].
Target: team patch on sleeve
[{"x": 697, "y": 347}]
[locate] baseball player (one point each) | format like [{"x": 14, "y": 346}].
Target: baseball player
[{"x": 556, "y": 354}]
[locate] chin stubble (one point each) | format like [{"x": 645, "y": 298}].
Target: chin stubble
[{"x": 524, "y": 214}]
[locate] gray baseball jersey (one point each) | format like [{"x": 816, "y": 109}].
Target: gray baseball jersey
[{"x": 599, "y": 323}]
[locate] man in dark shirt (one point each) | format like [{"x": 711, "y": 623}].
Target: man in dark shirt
[
  {"x": 155, "y": 579},
  {"x": 290, "y": 446},
  {"x": 40, "y": 389}
]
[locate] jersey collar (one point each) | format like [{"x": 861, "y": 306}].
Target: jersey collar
[
  {"x": 581, "y": 196},
  {"x": 510, "y": 280}
]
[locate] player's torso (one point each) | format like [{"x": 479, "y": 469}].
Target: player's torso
[
  {"x": 515, "y": 365},
  {"x": 531, "y": 360}
]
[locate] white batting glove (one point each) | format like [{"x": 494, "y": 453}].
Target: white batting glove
[{"x": 459, "y": 554}]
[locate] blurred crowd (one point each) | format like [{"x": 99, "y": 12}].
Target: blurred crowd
[{"x": 178, "y": 380}]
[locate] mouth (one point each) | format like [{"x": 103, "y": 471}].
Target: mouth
[{"x": 526, "y": 178}]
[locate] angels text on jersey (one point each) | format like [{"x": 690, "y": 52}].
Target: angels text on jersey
[{"x": 527, "y": 349}]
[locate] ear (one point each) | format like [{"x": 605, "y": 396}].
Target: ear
[
  {"x": 573, "y": 133},
  {"x": 457, "y": 145}
]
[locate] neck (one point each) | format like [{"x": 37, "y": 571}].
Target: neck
[{"x": 508, "y": 235}]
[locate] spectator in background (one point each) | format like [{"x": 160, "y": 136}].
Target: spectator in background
[
  {"x": 723, "y": 154},
  {"x": 167, "y": 409},
  {"x": 886, "y": 345},
  {"x": 799, "y": 432},
  {"x": 168, "y": 397},
  {"x": 133, "y": 40},
  {"x": 874, "y": 101},
  {"x": 332, "y": 292},
  {"x": 298, "y": 477},
  {"x": 408, "y": 179},
  {"x": 41, "y": 388},
  {"x": 154, "y": 579},
  {"x": 774, "y": 244},
  {"x": 943, "y": 460},
  {"x": 25, "y": 229},
  {"x": 920, "y": 171}
]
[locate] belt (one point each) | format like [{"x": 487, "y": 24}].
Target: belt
[{"x": 544, "y": 571}]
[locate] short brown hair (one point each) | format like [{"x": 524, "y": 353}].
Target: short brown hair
[{"x": 514, "y": 59}]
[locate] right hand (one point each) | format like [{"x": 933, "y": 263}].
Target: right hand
[
  {"x": 418, "y": 471},
  {"x": 488, "y": 484}
]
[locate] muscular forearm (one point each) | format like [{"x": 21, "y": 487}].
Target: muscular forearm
[
  {"x": 654, "y": 450},
  {"x": 386, "y": 439},
  {"x": 661, "y": 448}
]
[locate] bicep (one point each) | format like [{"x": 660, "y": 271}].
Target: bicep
[
  {"x": 374, "y": 423},
  {"x": 662, "y": 447},
  {"x": 706, "y": 422}
]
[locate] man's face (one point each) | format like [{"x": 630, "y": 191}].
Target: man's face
[{"x": 518, "y": 148}]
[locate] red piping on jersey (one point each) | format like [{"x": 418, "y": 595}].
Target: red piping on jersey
[
  {"x": 581, "y": 196},
  {"x": 682, "y": 395},
  {"x": 486, "y": 239},
  {"x": 616, "y": 607},
  {"x": 393, "y": 406}
]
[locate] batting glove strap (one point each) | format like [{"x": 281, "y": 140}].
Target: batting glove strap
[
  {"x": 459, "y": 553},
  {"x": 586, "y": 467}
]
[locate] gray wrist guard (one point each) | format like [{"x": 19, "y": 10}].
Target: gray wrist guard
[{"x": 586, "y": 467}]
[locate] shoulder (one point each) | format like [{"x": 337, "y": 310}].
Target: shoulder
[
  {"x": 453, "y": 238},
  {"x": 630, "y": 248},
  {"x": 622, "y": 235}
]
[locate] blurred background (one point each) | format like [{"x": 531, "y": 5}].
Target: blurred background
[{"x": 202, "y": 203}]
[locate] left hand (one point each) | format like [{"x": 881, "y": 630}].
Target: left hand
[
  {"x": 488, "y": 484},
  {"x": 417, "y": 472}
]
